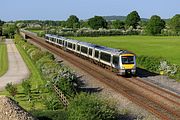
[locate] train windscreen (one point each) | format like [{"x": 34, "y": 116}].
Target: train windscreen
[{"x": 127, "y": 59}]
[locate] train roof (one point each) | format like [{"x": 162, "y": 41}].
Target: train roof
[
  {"x": 74, "y": 41},
  {"x": 87, "y": 44},
  {"x": 103, "y": 48},
  {"x": 55, "y": 36},
  {"x": 98, "y": 47}
]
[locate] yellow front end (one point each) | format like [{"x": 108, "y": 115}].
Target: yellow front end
[{"x": 128, "y": 64}]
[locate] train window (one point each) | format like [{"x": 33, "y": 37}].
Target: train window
[
  {"x": 90, "y": 51},
  {"x": 127, "y": 59},
  {"x": 115, "y": 60},
  {"x": 69, "y": 45},
  {"x": 65, "y": 43},
  {"x": 60, "y": 41},
  {"x": 78, "y": 47},
  {"x": 84, "y": 49},
  {"x": 96, "y": 54},
  {"x": 105, "y": 57},
  {"x": 73, "y": 46}
]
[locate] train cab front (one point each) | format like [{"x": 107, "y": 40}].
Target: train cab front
[{"x": 127, "y": 64}]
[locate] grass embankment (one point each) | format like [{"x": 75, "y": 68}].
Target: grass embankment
[
  {"x": 158, "y": 46},
  {"x": 3, "y": 59},
  {"x": 36, "y": 105}
]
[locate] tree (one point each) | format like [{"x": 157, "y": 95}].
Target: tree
[
  {"x": 1, "y": 23},
  {"x": 175, "y": 23},
  {"x": 0, "y": 30},
  {"x": 83, "y": 24},
  {"x": 117, "y": 24},
  {"x": 155, "y": 25},
  {"x": 72, "y": 22},
  {"x": 11, "y": 89},
  {"x": 97, "y": 22},
  {"x": 9, "y": 29},
  {"x": 132, "y": 19}
]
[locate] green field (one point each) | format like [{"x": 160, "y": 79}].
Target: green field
[
  {"x": 36, "y": 31},
  {"x": 3, "y": 59},
  {"x": 167, "y": 47}
]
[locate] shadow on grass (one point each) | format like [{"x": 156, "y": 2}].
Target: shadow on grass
[
  {"x": 50, "y": 114},
  {"x": 145, "y": 73},
  {"x": 91, "y": 90}
]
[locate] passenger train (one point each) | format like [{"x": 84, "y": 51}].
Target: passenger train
[{"x": 121, "y": 61}]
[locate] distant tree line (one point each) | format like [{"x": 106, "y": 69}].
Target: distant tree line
[{"x": 73, "y": 26}]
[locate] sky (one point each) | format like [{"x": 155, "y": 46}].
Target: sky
[{"x": 84, "y": 9}]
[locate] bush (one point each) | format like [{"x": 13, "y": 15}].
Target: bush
[
  {"x": 12, "y": 89},
  {"x": 157, "y": 64},
  {"x": 89, "y": 107},
  {"x": 150, "y": 63},
  {"x": 27, "y": 89},
  {"x": 36, "y": 54},
  {"x": 51, "y": 102}
]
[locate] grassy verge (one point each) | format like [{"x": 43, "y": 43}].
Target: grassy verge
[
  {"x": 35, "y": 79},
  {"x": 3, "y": 59},
  {"x": 36, "y": 105}
]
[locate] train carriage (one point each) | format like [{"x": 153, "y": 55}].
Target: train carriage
[
  {"x": 121, "y": 60},
  {"x": 71, "y": 44}
]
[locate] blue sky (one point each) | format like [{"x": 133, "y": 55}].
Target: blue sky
[{"x": 61, "y": 9}]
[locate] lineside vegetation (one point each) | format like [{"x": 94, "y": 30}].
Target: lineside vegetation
[{"x": 40, "y": 96}]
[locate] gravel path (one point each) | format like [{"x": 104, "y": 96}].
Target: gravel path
[{"x": 17, "y": 68}]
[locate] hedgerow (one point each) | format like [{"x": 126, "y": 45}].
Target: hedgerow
[
  {"x": 148, "y": 62},
  {"x": 94, "y": 33},
  {"x": 157, "y": 65}
]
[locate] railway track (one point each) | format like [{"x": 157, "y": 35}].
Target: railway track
[{"x": 162, "y": 103}]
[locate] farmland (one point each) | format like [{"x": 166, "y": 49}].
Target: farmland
[
  {"x": 158, "y": 46},
  {"x": 3, "y": 59}
]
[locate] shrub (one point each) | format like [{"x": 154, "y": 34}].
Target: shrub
[
  {"x": 90, "y": 107},
  {"x": 157, "y": 64},
  {"x": 27, "y": 89},
  {"x": 12, "y": 89},
  {"x": 36, "y": 54},
  {"x": 150, "y": 63},
  {"x": 51, "y": 102},
  {"x": 66, "y": 81}
]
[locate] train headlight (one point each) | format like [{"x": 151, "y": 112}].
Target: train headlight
[{"x": 123, "y": 67}]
